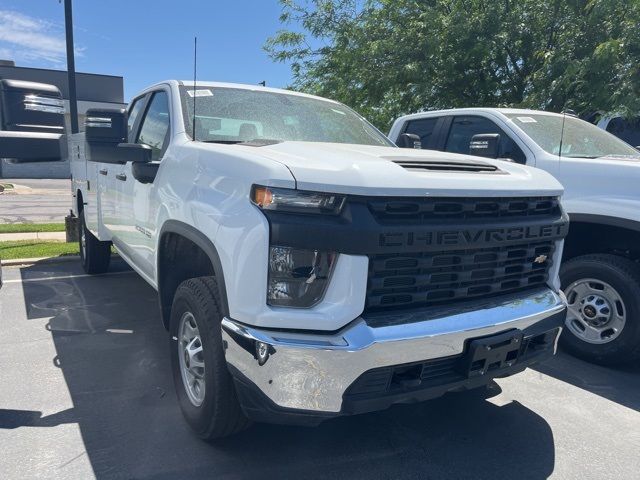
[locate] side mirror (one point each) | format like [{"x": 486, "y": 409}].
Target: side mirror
[
  {"x": 485, "y": 145},
  {"x": 106, "y": 125},
  {"x": 409, "y": 140},
  {"x": 105, "y": 129},
  {"x": 134, "y": 152},
  {"x": 142, "y": 168},
  {"x": 31, "y": 122}
]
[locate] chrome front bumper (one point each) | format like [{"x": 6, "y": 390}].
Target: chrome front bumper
[{"x": 312, "y": 371}]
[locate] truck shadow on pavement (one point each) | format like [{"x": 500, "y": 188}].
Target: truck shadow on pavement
[
  {"x": 113, "y": 352},
  {"x": 620, "y": 384}
]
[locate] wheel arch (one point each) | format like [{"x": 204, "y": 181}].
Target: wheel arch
[
  {"x": 179, "y": 235},
  {"x": 590, "y": 233}
]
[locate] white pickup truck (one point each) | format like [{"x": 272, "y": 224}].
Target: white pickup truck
[
  {"x": 601, "y": 176},
  {"x": 306, "y": 267}
]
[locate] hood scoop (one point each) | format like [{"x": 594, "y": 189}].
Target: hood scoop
[{"x": 463, "y": 166}]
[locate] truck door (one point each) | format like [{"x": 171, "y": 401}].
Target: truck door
[
  {"x": 133, "y": 197},
  {"x": 108, "y": 174}
]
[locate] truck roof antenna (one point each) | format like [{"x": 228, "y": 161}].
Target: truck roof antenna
[
  {"x": 195, "y": 73},
  {"x": 564, "y": 116}
]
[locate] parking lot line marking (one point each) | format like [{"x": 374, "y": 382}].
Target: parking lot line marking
[{"x": 63, "y": 277}]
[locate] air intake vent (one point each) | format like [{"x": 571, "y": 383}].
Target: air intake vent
[
  {"x": 446, "y": 165},
  {"x": 411, "y": 210}
]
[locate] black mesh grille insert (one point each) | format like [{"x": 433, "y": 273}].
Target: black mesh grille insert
[
  {"x": 407, "y": 280},
  {"x": 403, "y": 210}
]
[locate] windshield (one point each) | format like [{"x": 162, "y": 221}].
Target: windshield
[
  {"x": 235, "y": 115},
  {"x": 580, "y": 139}
]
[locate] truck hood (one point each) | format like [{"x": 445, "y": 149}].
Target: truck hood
[
  {"x": 605, "y": 186},
  {"x": 371, "y": 170}
]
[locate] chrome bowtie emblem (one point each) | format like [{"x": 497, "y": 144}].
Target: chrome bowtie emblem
[{"x": 540, "y": 259}]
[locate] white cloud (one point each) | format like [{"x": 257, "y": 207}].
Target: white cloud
[{"x": 32, "y": 40}]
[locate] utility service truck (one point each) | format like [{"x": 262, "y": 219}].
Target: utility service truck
[{"x": 306, "y": 267}]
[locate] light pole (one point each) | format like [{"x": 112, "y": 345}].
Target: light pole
[{"x": 71, "y": 66}]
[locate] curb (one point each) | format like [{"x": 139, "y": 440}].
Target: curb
[
  {"x": 39, "y": 260},
  {"x": 16, "y": 237}
]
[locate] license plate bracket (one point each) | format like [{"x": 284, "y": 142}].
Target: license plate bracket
[{"x": 491, "y": 354}]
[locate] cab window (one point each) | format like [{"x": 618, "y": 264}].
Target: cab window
[
  {"x": 463, "y": 128},
  {"x": 134, "y": 112},
  {"x": 155, "y": 125},
  {"x": 424, "y": 128},
  {"x": 626, "y": 129}
]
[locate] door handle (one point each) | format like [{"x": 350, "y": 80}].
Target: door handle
[
  {"x": 104, "y": 171},
  {"x": 121, "y": 176}
]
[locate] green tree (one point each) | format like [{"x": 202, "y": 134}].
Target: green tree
[{"x": 390, "y": 57}]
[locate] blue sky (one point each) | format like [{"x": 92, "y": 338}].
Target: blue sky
[{"x": 147, "y": 40}]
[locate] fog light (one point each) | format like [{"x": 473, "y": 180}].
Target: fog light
[{"x": 262, "y": 352}]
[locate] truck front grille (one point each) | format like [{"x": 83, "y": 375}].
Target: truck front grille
[
  {"x": 422, "y": 279},
  {"x": 403, "y": 210}
]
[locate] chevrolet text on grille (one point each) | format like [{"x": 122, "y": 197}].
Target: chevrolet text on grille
[{"x": 471, "y": 237}]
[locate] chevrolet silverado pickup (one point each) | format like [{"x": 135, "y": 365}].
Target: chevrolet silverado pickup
[
  {"x": 601, "y": 176},
  {"x": 306, "y": 267}
]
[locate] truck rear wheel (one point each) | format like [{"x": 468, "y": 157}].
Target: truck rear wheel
[
  {"x": 94, "y": 254},
  {"x": 204, "y": 387},
  {"x": 603, "y": 322}
]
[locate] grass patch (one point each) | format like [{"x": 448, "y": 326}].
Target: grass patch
[
  {"x": 31, "y": 227},
  {"x": 36, "y": 248}
]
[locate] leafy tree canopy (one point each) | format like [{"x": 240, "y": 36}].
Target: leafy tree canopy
[{"x": 390, "y": 57}]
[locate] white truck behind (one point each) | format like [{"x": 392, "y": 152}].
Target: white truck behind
[{"x": 307, "y": 268}]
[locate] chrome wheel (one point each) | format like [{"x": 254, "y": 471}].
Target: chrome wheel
[
  {"x": 191, "y": 357},
  {"x": 597, "y": 313}
]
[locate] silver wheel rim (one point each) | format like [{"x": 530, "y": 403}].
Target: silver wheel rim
[
  {"x": 191, "y": 358},
  {"x": 597, "y": 313}
]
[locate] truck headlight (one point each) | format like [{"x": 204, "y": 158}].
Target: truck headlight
[
  {"x": 298, "y": 278},
  {"x": 296, "y": 201}
]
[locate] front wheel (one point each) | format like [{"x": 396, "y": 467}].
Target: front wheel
[
  {"x": 603, "y": 322},
  {"x": 205, "y": 389},
  {"x": 94, "y": 254}
]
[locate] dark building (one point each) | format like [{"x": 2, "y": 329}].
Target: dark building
[{"x": 105, "y": 91}]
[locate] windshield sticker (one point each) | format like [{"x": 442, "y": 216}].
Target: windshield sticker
[
  {"x": 200, "y": 93},
  {"x": 527, "y": 119}
]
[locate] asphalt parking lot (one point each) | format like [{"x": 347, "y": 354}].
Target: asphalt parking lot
[
  {"x": 35, "y": 201},
  {"x": 86, "y": 392}
]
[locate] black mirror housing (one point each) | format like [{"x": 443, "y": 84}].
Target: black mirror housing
[
  {"x": 106, "y": 125},
  {"x": 144, "y": 172},
  {"x": 485, "y": 145},
  {"x": 134, "y": 152},
  {"x": 105, "y": 129},
  {"x": 409, "y": 140},
  {"x": 31, "y": 122}
]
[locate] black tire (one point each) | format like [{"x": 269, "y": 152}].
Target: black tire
[
  {"x": 624, "y": 276},
  {"x": 96, "y": 255},
  {"x": 219, "y": 414}
]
